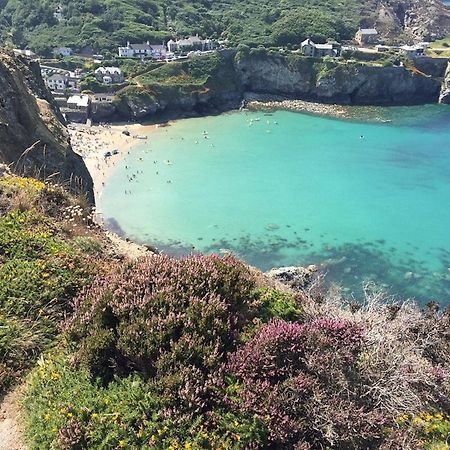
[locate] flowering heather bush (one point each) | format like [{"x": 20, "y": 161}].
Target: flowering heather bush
[
  {"x": 169, "y": 320},
  {"x": 288, "y": 369}
]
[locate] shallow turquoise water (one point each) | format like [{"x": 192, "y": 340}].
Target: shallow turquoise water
[{"x": 366, "y": 201}]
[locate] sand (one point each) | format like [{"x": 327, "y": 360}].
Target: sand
[{"x": 91, "y": 143}]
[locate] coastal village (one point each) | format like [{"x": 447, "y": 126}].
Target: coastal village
[{"x": 78, "y": 101}]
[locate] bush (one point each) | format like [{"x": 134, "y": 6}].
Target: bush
[
  {"x": 160, "y": 314},
  {"x": 40, "y": 272},
  {"x": 306, "y": 384}
]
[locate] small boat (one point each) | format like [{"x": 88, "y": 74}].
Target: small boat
[{"x": 140, "y": 136}]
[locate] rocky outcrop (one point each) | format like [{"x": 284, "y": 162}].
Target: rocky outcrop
[
  {"x": 33, "y": 137},
  {"x": 416, "y": 20},
  {"x": 445, "y": 91},
  {"x": 337, "y": 82},
  {"x": 297, "y": 278}
]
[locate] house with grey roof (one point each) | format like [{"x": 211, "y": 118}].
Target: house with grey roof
[
  {"x": 366, "y": 36},
  {"x": 190, "y": 43},
  {"x": 144, "y": 50},
  {"x": 310, "y": 48},
  {"x": 109, "y": 75}
]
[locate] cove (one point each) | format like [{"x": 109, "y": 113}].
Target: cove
[{"x": 365, "y": 201}]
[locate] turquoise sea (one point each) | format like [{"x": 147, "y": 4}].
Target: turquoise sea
[{"x": 365, "y": 201}]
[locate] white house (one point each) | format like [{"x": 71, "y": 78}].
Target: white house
[
  {"x": 57, "y": 82},
  {"x": 29, "y": 53},
  {"x": 190, "y": 43},
  {"x": 79, "y": 102},
  {"x": 104, "y": 98},
  {"x": 412, "y": 50},
  {"x": 309, "y": 48},
  {"x": 109, "y": 75},
  {"x": 145, "y": 50},
  {"x": 62, "y": 51}
]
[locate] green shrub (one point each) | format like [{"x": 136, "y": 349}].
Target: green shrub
[
  {"x": 66, "y": 409},
  {"x": 41, "y": 270}
]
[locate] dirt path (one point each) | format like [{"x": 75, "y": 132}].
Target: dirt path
[{"x": 10, "y": 434}]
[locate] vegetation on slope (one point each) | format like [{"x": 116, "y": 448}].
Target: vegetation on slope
[
  {"x": 47, "y": 254},
  {"x": 201, "y": 352},
  {"x": 105, "y": 24}
]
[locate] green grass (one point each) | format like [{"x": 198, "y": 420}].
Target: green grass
[{"x": 41, "y": 270}]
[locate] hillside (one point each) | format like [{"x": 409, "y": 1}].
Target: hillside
[
  {"x": 33, "y": 136},
  {"x": 105, "y": 24}
]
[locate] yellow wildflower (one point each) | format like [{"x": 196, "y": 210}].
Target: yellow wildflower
[
  {"x": 187, "y": 446},
  {"x": 55, "y": 376},
  {"x": 47, "y": 417},
  {"x": 122, "y": 443}
]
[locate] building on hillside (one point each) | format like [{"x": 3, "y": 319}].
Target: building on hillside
[
  {"x": 190, "y": 43},
  {"x": 309, "y": 48},
  {"x": 62, "y": 51},
  {"x": 56, "y": 82},
  {"x": 145, "y": 50},
  {"x": 412, "y": 51},
  {"x": 26, "y": 52},
  {"x": 366, "y": 36},
  {"x": 58, "y": 14},
  {"x": 78, "y": 108},
  {"x": 80, "y": 102},
  {"x": 109, "y": 75},
  {"x": 103, "y": 98}
]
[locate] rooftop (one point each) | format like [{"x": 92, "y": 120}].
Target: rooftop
[{"x": 368, "y": 31}]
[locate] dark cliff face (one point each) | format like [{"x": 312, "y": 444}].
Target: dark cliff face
[
  {"x": 337, "y": 82},
  {"x": 33, "y": 137}
]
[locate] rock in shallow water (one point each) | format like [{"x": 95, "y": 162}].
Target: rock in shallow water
[{"x": 295, "y": 277}]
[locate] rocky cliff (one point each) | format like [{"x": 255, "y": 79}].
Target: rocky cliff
[
  {"x": 445, "y": 91},
  {"x": 230, "y": 75},
  {"x": 415, "y": 20},
  {"x": 33, "y": 136},
  {"x": 334, "y": 81}
]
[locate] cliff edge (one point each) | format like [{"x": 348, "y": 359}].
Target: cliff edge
[{"x": 33, "y": 136}]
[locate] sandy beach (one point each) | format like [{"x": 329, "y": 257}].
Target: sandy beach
[{"x": 92, "y": 142}]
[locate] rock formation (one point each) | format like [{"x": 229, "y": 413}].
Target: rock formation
[
  {"x": 445, "y": 91},
  {"x": 415, "y": 20},
  {"x": 33, "y": 137}
]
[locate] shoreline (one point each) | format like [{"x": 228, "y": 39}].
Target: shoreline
[
  {"x": 344, "y": 112},
  {"x": 92, "y": 142}
]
